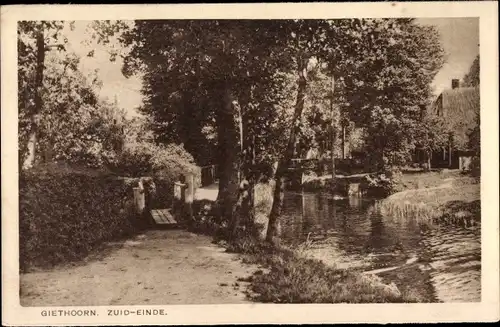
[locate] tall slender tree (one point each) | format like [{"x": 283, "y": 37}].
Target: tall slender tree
[
  {"x": 35, "y": 38},
  {"x": 307, "y": 39}
]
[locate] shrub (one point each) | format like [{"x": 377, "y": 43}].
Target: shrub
[
  {"x": 475, "y": 167},
  {"x": 65, "y": 213},
  {"x": 165, "y": 164},
  {"x": 205, "y": 220},
  {"x": 461, "y": 213},
  {"x": 382, "y": 184}
]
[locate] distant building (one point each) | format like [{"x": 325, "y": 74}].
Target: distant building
[{"x": 459, "y": 106}]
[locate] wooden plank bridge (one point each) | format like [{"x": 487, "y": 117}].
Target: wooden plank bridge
[{"x": 163, "y": 217}]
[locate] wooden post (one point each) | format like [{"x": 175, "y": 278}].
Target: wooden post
[
  {"x": 449, "y": 155},
  {"x": 429, "y": 159},
  {"x": 179, "y": 196},
  {"x": 189, "y": 194},
  {"x": 139, "y": 198}
]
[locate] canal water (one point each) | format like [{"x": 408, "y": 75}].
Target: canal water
[{"x": 352, "y": 234}]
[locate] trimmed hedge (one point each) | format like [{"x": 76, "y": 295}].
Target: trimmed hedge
[{"x": 66, "y": 213}]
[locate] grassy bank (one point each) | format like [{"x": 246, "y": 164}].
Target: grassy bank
[
  {"x": 419, "y": 179},
  {"x": 446, "y": 197},
  {"x": 289, "y": 276}
]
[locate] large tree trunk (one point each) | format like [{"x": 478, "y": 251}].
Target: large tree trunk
[
  {"x": 273, "y": 229},
  {"x": 243, "y": 211},
  {"x": 33, "y": 135},
  {"x": 229, "y": 155}
]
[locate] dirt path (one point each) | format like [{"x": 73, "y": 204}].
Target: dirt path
[{"x": 158, "y": 267}]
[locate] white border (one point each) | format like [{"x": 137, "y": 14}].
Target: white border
[{"x": 487, "y": 310}]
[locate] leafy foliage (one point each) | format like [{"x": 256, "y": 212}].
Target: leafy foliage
[
  {"x": 382, "y": 185},
  {"x": 138, "y": 159},
  {"x": 72, "y": 125},
  {"x": 382, "y": 69},
  {"x": 32, "y": 43},
  {"x": 386, "y": 72},
  {"x": 198, "y": 56},
  {"x": 432, "y": 133}
]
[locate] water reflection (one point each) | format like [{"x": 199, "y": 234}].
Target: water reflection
[{"x": 352, "y": 234}]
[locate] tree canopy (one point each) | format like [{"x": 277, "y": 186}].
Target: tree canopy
[
  {"x": 59, "y": 105},
  {"x": 240, "y": 93}
]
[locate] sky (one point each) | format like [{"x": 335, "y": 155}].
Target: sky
[
  {"x": 115, "y": 85},
  {"x": 460, "y": 41},
  {"x": 459, "y": 37}
]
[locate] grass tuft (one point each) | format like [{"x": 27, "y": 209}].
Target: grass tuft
[
  {"x": 454, "y": 205},
  {"x": 436, "y": 197},
  {"x": 290, "y": 277},
  {"x": 294, "y": 279}
]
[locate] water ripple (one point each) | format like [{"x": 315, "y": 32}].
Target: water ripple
[{"x": 351, "y": 234}]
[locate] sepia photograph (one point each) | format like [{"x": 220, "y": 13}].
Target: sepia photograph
[{"x": 219, "y": 161}]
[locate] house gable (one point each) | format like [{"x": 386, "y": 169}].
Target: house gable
[{"x": 460, "y": 107}]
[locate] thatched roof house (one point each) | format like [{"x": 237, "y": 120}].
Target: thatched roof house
[{"x": 460, "y": 107}]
